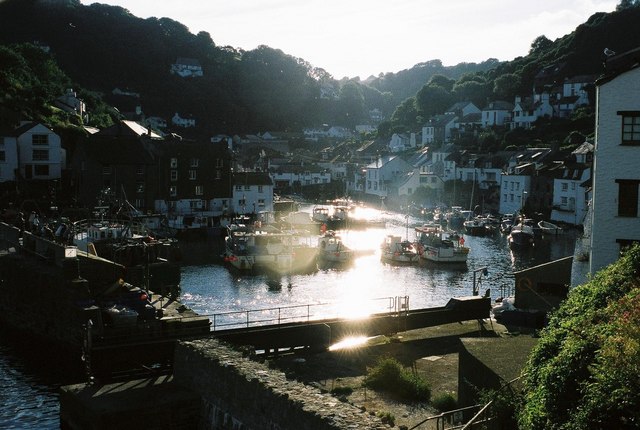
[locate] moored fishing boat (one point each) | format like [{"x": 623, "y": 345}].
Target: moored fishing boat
[
  {"x": 332, "y": 249},
  {"x": 395, "y": 250},
  {"x": 85, "y": 306},
  {"x": 436, "y": 245},
  {"x": 256, "y": 247},
  {"x": 149, "y": 261},
  {"x": 522, "y": 234}
]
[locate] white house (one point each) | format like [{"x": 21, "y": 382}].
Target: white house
[
  {"x": 187, "y": 68},
  {"x": 69, "y": 102},
  {"x": 252, "y": 192},
  {"x": 8, "y": 158},
  {"x": 381, "y": 174},
  {"x": 183, "y": 122},
  {"x": 40, "y": 153},
  {"x": 408, "y": 184},
  {"x": 401, "y": 142},
  {"x": 291, "y": 178},
  {"x": 496, "y": 113},
  {"x": 616, "y": 176},
  {"x": 571, "y": 195},
  {"x": 462, "y": 109},
  {"x": 438, "y": 129},
  {"x": 514, "y": 190},
  {"x": 527, "y": 111}
]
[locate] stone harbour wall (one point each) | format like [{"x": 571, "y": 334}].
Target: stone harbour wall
[{"x": 242, "y": 394}]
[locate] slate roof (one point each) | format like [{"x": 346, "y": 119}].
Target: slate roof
[{"x": 251, "y": 178}]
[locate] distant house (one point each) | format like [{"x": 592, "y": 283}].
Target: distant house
[
  {"x": 337, "y": 132},
  {"x": 381, "y": 174},
  {"x": 526, "y": 111},
  {"x": 401, "y": 142},
  {"x": 187, "y": 68},
  {"x": 8, "y": 157},
  {"x": 156, "y": 122},
  {"x": 616, "y": 177},
  {"x": 69, "y": 102},
  {"x": 514, "y": 190},
  {"x": 252, "y": 193},
  {"x": 184, "y": 122},
  {"x": 40, "y": 152},
  {"x": 462, "y": 109},
  {"x": 570, "y": 195},
  {"x": 297, "y": 175},
  {"x": 438, "y": 129},
  {"x": 496, "y": 113}
]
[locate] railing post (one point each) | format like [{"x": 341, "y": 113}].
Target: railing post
[{"x": 248, "y": 319}]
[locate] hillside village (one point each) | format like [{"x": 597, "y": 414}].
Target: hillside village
[
  {"x": 197, "y": 182},
  {"x": 161, "y": 172}
]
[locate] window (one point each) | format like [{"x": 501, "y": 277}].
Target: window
[
  {"x": 41, "y": 170},
  {"x": 505, "y": 197},
  {"x": 106, "y": 170},
  {"x": 260, "y": 189},
  {"x": 194, "y": 162},
  {"x": 199, "y": 190},
  {"x": 39, "y": 139},
  {"x": 247, "y": 187},
  {"x": 241, "y": 202},
  {"x": 139, "y": 186},
  {"x": 630, "y": 128},
  {"x": 627, "y": 197},
  {"x": 218, "y": 162},
  {"x": 174, "y": 175},
  {"x": 563, "y": 201},
  {"x": 261, "y": 203},
  {"x": 40, "y": 155},
  {"x": 565, "y": 186},
  {"x": 173, "y": 191},
  {"x": 192, "y": 175},
  {"x": 140, "y": 170},
  {"x": 2, "y": 156},
  {"x": 174, "y": 163},
  {"x": 218, "y": 174},
  {"x": 238, "y": 187},
  {"x": 139, "y": 203}
]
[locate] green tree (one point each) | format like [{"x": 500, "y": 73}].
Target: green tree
[
  {"x": 432, "y": 100},
  {"x": 541, "y": 43},
  {"x": 506, "y": 86}
]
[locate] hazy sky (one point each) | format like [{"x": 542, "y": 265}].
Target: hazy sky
[{"x": 365, "y": 37}]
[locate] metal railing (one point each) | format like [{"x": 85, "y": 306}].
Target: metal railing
[{"x": 294, "y": 313}]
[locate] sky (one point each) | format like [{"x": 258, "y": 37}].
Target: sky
[{"x": 368, "y": 37}]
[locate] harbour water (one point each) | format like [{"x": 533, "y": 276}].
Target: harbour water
[{"x": 29, "y": 397}]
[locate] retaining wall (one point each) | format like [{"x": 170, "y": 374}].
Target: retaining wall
[{"x": 241, "y": 394}]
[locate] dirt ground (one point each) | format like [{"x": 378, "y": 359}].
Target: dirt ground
[{"x": 431, "y": 352}]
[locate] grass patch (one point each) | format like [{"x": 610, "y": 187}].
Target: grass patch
[
  {"x": 390, "y": 376},
  {"x": 387, "y": 418}
]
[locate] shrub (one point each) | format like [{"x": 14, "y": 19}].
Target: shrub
[
  {"x": 389, "y": 375},
  {"x": 341, "y": 391},
  {"x": 444, "y": 402}
]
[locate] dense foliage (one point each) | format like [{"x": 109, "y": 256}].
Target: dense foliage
[
  {"x": 101, "y": 48},
  {"x": 585, "y": 371}
]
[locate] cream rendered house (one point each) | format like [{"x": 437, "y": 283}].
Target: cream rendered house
[{"x": 615, "y": 221}]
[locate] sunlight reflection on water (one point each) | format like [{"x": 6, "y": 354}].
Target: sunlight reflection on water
[{"x": 367, "y": 286}]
